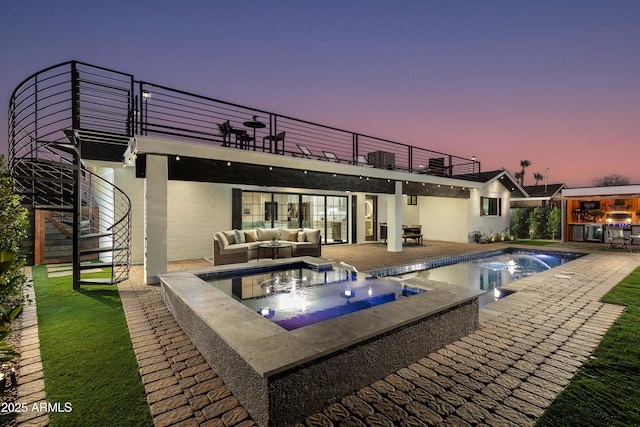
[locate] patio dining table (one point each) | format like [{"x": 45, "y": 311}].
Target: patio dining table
[{"x": 254, "y": 124}]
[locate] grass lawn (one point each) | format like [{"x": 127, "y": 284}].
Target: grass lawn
[
  {"x": 87, "y": 356},
  {"x": 605, "y": 392}
]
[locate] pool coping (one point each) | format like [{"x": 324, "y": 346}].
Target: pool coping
[{"x": 267, "y": 346}]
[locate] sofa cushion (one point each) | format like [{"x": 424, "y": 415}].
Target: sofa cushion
[
  {"x": 265, "y": 234},
  {"x": 292, "y": 236},
  {"x": 250, "y": 236},
  {"x": 230, "y": 235},
  {"x": 302, "y": 236},
  {"x": 313, "y": 235},
  {"x": 221, "y": 239},
  {"x": 299, "y": 245},
  {"x": 239, "y": 236},
  {"x": 235, "y": 248}
]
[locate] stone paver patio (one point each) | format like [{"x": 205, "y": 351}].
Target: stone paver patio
[{"x": 526, "y": 350}]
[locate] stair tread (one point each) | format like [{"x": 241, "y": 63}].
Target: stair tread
[
  {"x": 100, "y": 250},
  {"x": 55, "y": 208},
  {"x": 41, "y": 161},
  {"x": 44, "y": 179},
  {"x": 94, "y": 235},
  {"x": 87, "y": 265}
]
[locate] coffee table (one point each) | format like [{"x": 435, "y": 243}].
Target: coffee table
[{"x": 274, "y": 249}]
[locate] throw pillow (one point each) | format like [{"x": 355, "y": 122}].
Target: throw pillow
[
  {"x": 239, "y": 235},
  {"x": 302, "y": 236},
  {"x": 249, "y": 236},
  {"x": 222, "y": 240},
  {"x": 293, "y": 235},
  {"x": 313, "y": 235},
  {"x": 231, "y": 237}
]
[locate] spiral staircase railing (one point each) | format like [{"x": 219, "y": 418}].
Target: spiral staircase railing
[{"x": 52, "y": 114}]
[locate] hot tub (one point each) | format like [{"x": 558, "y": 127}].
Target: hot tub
[{"x": 282, "y": 376}]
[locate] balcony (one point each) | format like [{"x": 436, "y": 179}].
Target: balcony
[
  {"x": 106, "y": 107},
  {"x": 185, "y": 116}
]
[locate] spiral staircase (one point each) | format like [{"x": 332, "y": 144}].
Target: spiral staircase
[{"x": 60, "y": 119}]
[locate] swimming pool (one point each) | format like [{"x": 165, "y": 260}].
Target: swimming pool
[
  {"x": 488, "y": 271},
  {"x": 296, "y": 297}
]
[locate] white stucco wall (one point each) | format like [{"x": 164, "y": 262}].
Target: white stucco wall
[
  {"x": 410, "y": 213},
  {"x": 194, "y": 215},
  {"x": 489, "y": 225},
  {"x": 443, "y": 219}
]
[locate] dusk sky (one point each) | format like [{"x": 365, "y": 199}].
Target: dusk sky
[{"x": 553, "y": 82}]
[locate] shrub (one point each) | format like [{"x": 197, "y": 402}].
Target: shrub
[
  {"x": 13, "y": 230},
  {"x": 536, "y": 222},
  {"x": 554, "y": 222},
  {"x": 517, "y": 224}
]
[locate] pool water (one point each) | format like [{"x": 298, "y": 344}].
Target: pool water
[
  {"x": 491, "y": 273},
  {"x": 298, "y": 297}
]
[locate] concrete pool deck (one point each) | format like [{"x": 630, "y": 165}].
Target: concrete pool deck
[{"x": 527, "y": 348}]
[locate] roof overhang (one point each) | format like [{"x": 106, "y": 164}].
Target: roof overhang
[
  {"x": 631, "y": 191},
  {"x": 141, "y": 144},
  {"x": 508, "y": 181}
]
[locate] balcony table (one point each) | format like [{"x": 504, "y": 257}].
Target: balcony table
[{"x": 254, "y": 124}]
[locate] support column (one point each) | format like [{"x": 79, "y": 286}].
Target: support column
[
  {"x": 360, "y": 219},
  {"x": 394, "y": 220},
  {"x": 563, "y": 227},
  {"x": 155, "y": 218}
]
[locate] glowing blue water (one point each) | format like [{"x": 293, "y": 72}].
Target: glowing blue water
[
  {"x": 294, "y": 298},
  {"x": 492, "y": 273},
  {"x": 297, "y": 297}
]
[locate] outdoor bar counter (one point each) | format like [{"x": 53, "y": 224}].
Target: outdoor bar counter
[
  {"x": 596, "y": 232},
  {"x": 590, "y": 211}
]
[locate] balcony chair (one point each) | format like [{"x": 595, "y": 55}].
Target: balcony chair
[
  {"x": 273, "y": 143},
  {"x": 241, "y": 136},
  {"x": 617, "y": 239},
  {"x": 308, "y": 154},
  {"x": 331, "y": 157},
  {"x": 361, "y": 160},
  {"x": 244, "y": 141}
]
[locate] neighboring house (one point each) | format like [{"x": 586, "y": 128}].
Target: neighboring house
[
  {"x": 539, "y": 196},
  {"x": 142, "y": 173}
]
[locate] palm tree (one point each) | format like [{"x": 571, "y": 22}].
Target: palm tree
[
  {"x": 523, "y": 164},
  {"x": 538, "y": 176},
  {"x": 518, "y": 176}
]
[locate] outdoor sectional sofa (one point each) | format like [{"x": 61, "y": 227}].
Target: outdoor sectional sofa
[{"x": 236, "y": 246}]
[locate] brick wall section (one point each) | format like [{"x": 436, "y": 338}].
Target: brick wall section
[{"x": 194, "y": 217}]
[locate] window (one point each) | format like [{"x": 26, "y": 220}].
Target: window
[
  {"x": 490, "y": 206},
  {"x": 412, "y": 200},
  {"x": 293, "y": 210}
]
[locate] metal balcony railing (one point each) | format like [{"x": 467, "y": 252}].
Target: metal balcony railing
[{"x": 180, "y": 115}]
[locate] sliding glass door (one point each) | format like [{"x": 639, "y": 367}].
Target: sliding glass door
[{"x": 291, "y": 210}]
